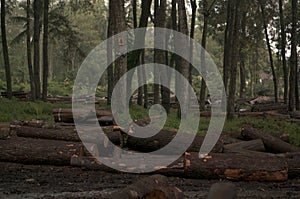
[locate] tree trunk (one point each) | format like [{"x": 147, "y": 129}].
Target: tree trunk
[
  {"x": 233, "y": 59},
  {"x": 120, "y": 45},
  {"x": 145, "y": 87},
  {"x": 37, "y": 6},
  {"x": 110, "y": 69},
  {"x": 238, "y": 167},
  {"x": 283, "y": 52},
  {"x": 243, "y": 58},
  {"x": 270, "y": 53},
  {"x": 45, "y": 51},
  {"x": 185, "y": 65},
  {"x": 203, "y": 62},
  {"x": 5, "y": 51},
  {"x": 293, "y": 62}
]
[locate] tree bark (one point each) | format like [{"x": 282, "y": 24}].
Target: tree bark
[
  {"x": 184, "y": 64},
  {"x": 254, "y": 145},
  {"x": 5, "y": 51},
  {"x": 236, "y": 167},
  {"x": 45, "y": 51},
  {"x": 293, "y": 62},
  {"x": 243, "y": 57},
  {"x": 28, "y": 45},
  {"x": 110, "y": 69},
  {"x": 283, "y": 52},
  {"x": 37, "y": 7},
  {"x": 120, "y": 45},
  {"x": 233, "y": 59}
]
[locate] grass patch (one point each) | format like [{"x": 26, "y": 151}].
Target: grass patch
[{"x": 11, "y": 110}]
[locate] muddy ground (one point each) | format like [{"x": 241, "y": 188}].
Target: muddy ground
[{"x": 34, "y": 181}]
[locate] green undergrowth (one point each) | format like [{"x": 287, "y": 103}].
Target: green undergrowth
[{"x": 12, "y": 110}]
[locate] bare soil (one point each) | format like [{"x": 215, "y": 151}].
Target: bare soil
[{"x": 44, "y": 181}]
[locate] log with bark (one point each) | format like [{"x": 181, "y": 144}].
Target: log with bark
[
  {"x": 245, "y": 146},
  {"x": 155, "y": 186},
  {"x": 272, "y": 143},
  {"x": 38, "y": 151},
  {"x": 66, "y": 134},
  {"x": 163, "y": 138},
  {"x": 66, "y": 115},
  {"x": 234, "y": 166}
]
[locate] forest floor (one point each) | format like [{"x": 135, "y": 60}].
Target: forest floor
[{"x": 43, "y": 181}]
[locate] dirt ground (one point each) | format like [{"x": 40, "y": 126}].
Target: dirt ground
[{"x": 34, "y": 181}]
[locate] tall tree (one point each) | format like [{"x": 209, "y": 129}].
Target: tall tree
[
  {"x": 234, "y": 31},
  {"x": 5, "y": 51},
  {"x": 243, "y": 56},
  {"x": 293, "y": 61},
  {"x": 45, "y": 50},
  {"x": 120, "y": 46},
  {"x": 206, "y": 14},
  {"x": 110, "y": 69},
  {"x": 270, "y": 51},
  {"x": 37, "y": 8},
  {"x": 283, "y": 52},
  {"x": 184, "y": 64},
  {"x": 28, "y": 45}
]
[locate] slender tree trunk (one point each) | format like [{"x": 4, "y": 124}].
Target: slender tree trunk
[
  {"x": 243, "y": 58},
  {"x": 293, "y": 62},
  {"x": 5, "y": 51},
  {"x": 45, "y": 51},
  {"x": 145, "y": 87},
  {"x": 203, "y": 43},
  {"x": 227, "y": 39},
  {"x": 139, "y": 71},
  {"x": 29, "y": 58},
  {"x": 185, "y": 66},
  {"x": 110, "y": 69},
  {"x": 36, "y": 39},
  {"x": 270, "y": 54},
  {"x": 192, "y": 35},
  {"x": 283, "y": 52},
  {"x": 234, "y": 59},
  {"x": 120, "y": 45}
]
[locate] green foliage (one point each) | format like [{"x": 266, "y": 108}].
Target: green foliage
[{"x": 56, "y": 88}]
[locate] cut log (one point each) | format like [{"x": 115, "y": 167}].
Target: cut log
[
  {"x": 66, "y": 134},
  {"x": 222, "y": 191},
  {"x": 272, "y": 144},
  {"x": 163, "y": 138},
  {"x": 254, "y": 145},
  {"x": 234, "y": 166},
  {"x": 149, "y": 187},
  {"x": 269, "y": 107},
  {"x": 35, "y": 151}
]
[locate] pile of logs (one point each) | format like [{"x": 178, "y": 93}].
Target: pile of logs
[{"x": 249, "y": 155}]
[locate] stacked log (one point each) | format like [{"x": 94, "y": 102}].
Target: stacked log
[
  {"x": 233, "y": 166},
  {"x": 38, "y": 151},
  {"x": 272, "y": 143},
  {"x": 22, "y": 95}
]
